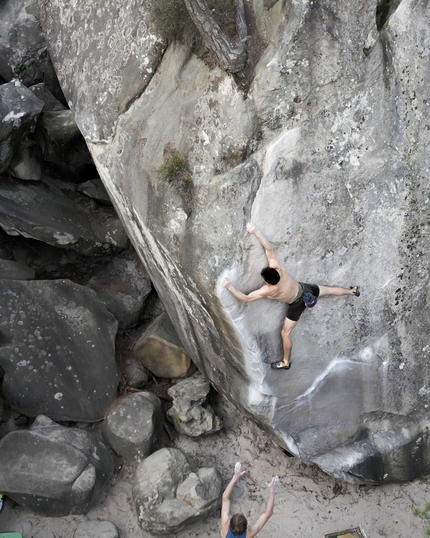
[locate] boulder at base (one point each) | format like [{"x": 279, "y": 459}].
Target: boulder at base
[
  {"x": 190, "y": 413},
  {"x": 53, "y": 470},
  {"x": 160, "y": 350},
  {"x": 169, "y": 492},
  {"x": 135, "y": 426}
]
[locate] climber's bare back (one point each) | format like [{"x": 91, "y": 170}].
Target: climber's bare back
[{"x": 286, "y": 290}]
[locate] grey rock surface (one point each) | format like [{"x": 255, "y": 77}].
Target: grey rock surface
[
  {"x": 65, "y": 469},
  {"x": 136, "y": 374},
  {"x": 57, "y": 350},
  {"x": 42, "y": 92},
  {"x": 96, "y": 529},
  {"x": 123, "y": 285},
  {"x": 19, "y": 111},
  {"x": 190, "y": 413},
  {"x": 134, "y": 427},
  {"x": 160, "y": 350},
  {"x": 38, "y": 211},
  {"x": 326, "y": 153},
  {"x": 169, "y": 492},
  {"x": 94, "y": 188}
]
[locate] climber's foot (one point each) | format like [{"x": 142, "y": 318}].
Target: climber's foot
[
  {"x": 280, "y": 365},
  {"x": 356, "y": 290}
]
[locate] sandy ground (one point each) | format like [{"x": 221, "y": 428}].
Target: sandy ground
[{"x": 308, "y": 502}]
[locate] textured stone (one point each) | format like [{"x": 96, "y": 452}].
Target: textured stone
[
  {"x": 190, "y": 413},
  {"x": 327, "y": 154},
  {"x": 53, "y": 470},
  {"x": 57, "y": 350},
  {"x": 134, "y": 427},
  {"x": 169, "y": 492},
  {"x": 160, "y": 350},
  {"x": 96, "y": 529}
]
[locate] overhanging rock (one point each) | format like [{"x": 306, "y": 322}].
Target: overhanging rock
[{"x": 327, "y": 155}]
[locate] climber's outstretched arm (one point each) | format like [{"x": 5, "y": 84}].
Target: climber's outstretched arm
[
  {"x": 246, "y": 298},
  {"x": 270, "y": 255}
]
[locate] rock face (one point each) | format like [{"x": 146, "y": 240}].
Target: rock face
[
  {"x": 57, "y": 350},
  {"x": 53, "y": 470},
  {"x": 169, "y": 492},
  {"x": 134, "y": 428},
  {"x": 327, "y": 154}
]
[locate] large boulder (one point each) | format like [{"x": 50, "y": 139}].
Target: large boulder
[
  {"x": 19, "y": 111},
  {"x": 169, "y": 492},
  {"x": 134, "y": 427},
  {"x": 123, "y": 285},
  {"x": 326, "y": 151},
  {"x": 57, "y": 350},
  {"x": 54, "y": 470}
]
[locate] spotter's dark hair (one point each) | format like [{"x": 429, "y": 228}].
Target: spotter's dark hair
[{"x": 238, "y": 524}]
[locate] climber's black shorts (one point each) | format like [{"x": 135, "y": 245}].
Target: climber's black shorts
[{"x": 297, "y": 307}]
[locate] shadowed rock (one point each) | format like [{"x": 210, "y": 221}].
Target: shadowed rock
[
  {"x": 53, "y": 470},
  {"x": 62, "y": 222},
  {"x": 23, "y": 48},
  {"x": 11, "y": 270},
  {"x": 123, "y": 285}
]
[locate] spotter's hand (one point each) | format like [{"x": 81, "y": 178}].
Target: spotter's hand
[
  {"x": 237, "y": 470},
  {"x": 273, "y": 484}
]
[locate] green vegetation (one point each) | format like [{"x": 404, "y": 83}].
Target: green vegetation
[
  {"x": 423, "y": 514},
  {"x": 174, "y": 171},
  {"x": 174, "y": 168},
  {"x": 20, "y": 67}
]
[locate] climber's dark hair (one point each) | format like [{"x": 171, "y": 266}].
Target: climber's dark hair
[{"x": 270, "y": 275}]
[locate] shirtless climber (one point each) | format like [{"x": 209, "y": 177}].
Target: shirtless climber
[
  {"x": 236, "y": 526},
  {"x": 282, "y": 287}
]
